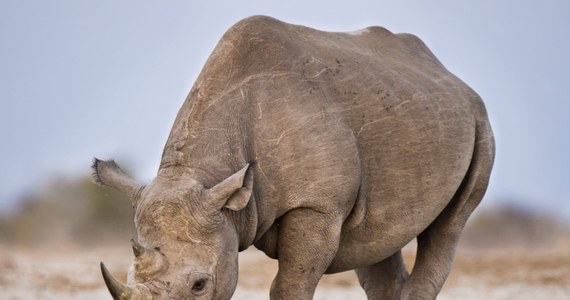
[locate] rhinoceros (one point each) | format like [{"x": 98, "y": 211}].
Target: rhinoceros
[{"x": 328, "y": 151}]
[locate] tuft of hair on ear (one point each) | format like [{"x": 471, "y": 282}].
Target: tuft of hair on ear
[
  {"x": 96, "y": 173},
  {"x": 95, "y": 169}
]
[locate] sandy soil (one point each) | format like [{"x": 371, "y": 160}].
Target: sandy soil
[{"x": 72, "y": 273}]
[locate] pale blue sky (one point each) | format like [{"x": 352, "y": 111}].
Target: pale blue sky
[{"x": 105, "y": 78}]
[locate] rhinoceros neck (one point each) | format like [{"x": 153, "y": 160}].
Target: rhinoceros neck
[
  {"x": 209, "y": 143},
  {"x": 207, "y": 138}
]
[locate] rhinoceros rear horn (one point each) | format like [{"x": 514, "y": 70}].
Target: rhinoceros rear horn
[
  {"x": 138, "y": 250},
  {"x": 123, "y": 292},
  {"x": 108, "y": 173}
]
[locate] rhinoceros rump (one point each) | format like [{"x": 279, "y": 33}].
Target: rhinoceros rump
[{"x": 327, "y": 151}]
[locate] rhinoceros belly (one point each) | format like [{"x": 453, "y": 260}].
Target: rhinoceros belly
[{"x": 412, "y": 166}]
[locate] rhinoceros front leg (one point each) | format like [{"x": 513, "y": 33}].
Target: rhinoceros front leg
[{"x": 307, "y": 243}]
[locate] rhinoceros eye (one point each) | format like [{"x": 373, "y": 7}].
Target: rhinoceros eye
[{"x": 199, "y": 285}]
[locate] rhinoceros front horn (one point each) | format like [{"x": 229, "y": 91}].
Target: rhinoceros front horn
[{"x": 123, "y": 292}]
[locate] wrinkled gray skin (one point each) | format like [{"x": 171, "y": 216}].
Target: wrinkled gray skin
[{"x": 328, "y": 151}]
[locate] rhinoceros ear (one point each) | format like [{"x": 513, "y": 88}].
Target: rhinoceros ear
[
  {"x": 108, "y": 173},
  {"x": 234, "y": 192}
]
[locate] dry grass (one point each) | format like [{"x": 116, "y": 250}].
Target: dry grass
[
  {"x": 533, "y": 268},
  {"x": 73, "y": 273},
  {"x": 496, "y": 261}
]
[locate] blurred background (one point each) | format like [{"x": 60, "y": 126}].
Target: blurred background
[{"x": 106, "y": 78}]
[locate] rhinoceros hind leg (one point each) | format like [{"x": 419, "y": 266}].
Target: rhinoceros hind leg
[
  {"x": 437, "y": 243},
  {"x": 384, "y": 280},
  {"x": 435, "y": 254}
]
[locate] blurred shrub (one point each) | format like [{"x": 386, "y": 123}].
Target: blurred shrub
[
  {"x": 79, "y": 211},
  {"x": 514, "y": 226},
  {"x": 66, "y": 211}
]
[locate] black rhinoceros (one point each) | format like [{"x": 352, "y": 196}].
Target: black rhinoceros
[{"x": 327, "y": 151}]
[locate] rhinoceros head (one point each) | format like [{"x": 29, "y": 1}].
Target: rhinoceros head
[{"x": 187, "y": 241}]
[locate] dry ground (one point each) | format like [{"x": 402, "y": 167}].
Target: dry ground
[{"x": 73, "y": 273}]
